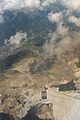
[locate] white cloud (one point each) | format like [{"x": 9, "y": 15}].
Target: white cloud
[
  {"x": 60, "y": 42},
  {"x": 48, "y": 2},
  {"x": 53, "y": 47},
  {"x": 63, "y": 41},
  {"x": 31, "y": 3},
  {"x": 18, "y": 4},
  {"x": 75, "y": 20},
  {"x": 55, "y": 17},
  {"x": 61, "y": 46},
  {"x": 62, "y": 30},
  {"x": 16, "y": 40},
  {"x": 73, "y": 4}
]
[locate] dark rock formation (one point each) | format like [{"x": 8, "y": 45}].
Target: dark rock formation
[
  {"x": 40, "y": 112},
  {"x": 67, "y": 87},
  {"x": 4, "y": 116}
]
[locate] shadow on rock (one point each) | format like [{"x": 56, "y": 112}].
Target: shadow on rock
[
  {"x": 30, "y": 114},
  {"x": 67, "y": 87},
  {"x": 41, "y": 111},
  {"x": 4, "y": 116}
]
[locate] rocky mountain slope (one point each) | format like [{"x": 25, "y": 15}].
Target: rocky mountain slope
[
  {"x": 22, "y": 83},
  {"x": 39, "y": 51}
]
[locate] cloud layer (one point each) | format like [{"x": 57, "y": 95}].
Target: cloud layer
[
  {"x": 18, "y": 4},
  {"x": 15, "y": 41},
  {"x": 48, "y": 2},
  {"x": 75, "y": 20},
  {"x": 62, "y": 40},
  {"x": 72, "y": 4},
  {"x": 61, "y": 45},
  {"x": 55, "y": 17}
]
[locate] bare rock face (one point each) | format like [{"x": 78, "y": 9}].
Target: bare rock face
[
  {"x": 44, "y": 112},
  {"x": 41, "y": 111}
]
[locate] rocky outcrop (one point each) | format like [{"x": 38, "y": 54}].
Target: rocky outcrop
[
  {"x": 41, "y": 111},
  {"x": 44, "y": 112},
  {"x": 67, "y": 87}
]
